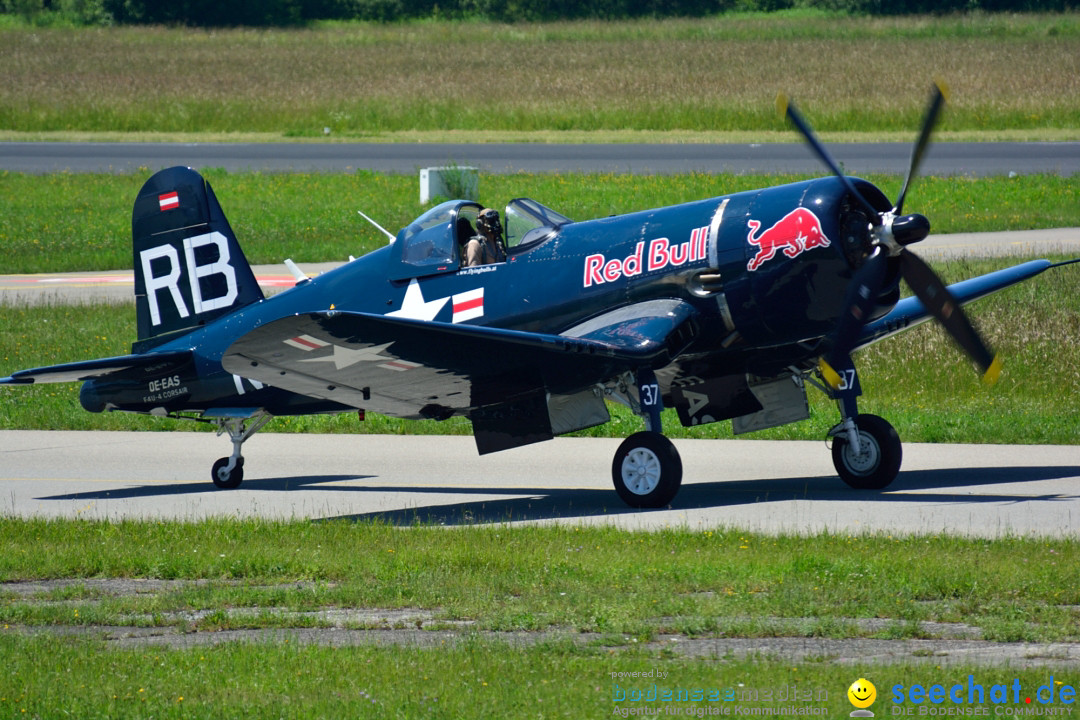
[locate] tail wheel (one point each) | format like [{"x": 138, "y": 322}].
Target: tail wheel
[
  {"x": 878, "y": 460},
  {"x": 225, "y": 479},
  {"x": 647, "y": 470}
]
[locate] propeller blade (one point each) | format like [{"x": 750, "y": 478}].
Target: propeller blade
[
  {"x": 937, "y": 299},
  {"x": 786, "y": 108},
  {"x": 938, "y": 97},
  {"x": 862, "y": 294}
]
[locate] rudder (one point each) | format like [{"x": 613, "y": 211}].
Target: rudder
[{"x": 189, "y": 268}]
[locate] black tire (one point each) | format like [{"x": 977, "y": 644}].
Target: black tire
[
  {"x": 231, "y": 480},
  {"x": 647, "y": 470},
  {"x": 878, "y": 461}
]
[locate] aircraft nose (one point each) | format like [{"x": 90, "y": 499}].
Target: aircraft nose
[{"x": 910, "y": 229}]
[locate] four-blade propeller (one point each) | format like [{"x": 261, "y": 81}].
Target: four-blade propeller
[{"x": 890, "y": 233}]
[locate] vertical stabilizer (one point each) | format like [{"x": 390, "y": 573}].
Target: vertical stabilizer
[{"x": 189, "y": 268}]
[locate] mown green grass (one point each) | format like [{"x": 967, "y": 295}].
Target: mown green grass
[
  {"x": 67, "y": 222},
  {"x": 575, "y": 579},
  {"x": 706, "y": 74},
  {"x": 480, "y": 679},
  {"x": 624, "y": 587}
]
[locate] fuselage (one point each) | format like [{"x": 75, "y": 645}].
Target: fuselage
[{"x": 763, "y": 269}]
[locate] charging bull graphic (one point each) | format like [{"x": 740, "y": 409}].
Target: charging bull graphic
[{"x": 795, "y": 233}]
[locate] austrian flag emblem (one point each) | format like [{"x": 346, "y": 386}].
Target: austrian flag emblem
[{"x": 169, "y": 201}]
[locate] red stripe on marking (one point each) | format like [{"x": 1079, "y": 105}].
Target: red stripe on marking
[
  {"x": 307, "y": 343},
  {"x": 460, "y": 307},
  {"x": 400, "y": 365},
  {"x": 168, "y": 201}
]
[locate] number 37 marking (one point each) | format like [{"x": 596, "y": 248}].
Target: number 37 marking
[{"x": 650, "y": 394}]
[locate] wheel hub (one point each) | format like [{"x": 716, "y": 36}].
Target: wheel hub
[
  {"x": 866, "y": 460},
  {"x": 641, "y": 471}
]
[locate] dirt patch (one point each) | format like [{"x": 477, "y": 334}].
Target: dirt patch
[
  {"x": 951, "y": 644},
  {"x": 851, "y": 651}
]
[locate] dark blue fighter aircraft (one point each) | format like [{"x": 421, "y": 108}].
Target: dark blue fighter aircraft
[{"x": 723, "y": 308}]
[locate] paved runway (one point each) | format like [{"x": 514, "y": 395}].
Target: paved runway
[
  {"x": 942, "y": 159},
  {"x": 770, "y": 486}
]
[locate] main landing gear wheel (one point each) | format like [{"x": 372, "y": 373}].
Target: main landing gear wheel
[
  {"x": 878, "y": 460},
  {"x": 228, "y": 479},
  {"x": 240, "y": 428},
  {"x": 647, "y": 470}
]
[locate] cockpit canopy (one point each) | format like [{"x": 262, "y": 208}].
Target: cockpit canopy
[
  {"x": 529, "y": 223},
  {"x": 432, "y": 243}
]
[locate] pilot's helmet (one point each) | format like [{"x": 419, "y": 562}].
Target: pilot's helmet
[{"x": 488, "y": 220}]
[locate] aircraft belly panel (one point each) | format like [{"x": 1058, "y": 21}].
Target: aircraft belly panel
[
  {"x": 713, "y": 400},
  {"x": 783, "y": 401}
]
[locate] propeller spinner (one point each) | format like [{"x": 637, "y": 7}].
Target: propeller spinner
[{"x": 891, "y": 233}]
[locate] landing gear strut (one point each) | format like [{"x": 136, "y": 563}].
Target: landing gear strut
[
  {"x": 228, "y": 472},
  {"x": 647, "y": 470}
]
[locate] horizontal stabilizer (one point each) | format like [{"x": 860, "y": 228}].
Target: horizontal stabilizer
[{"x": 78, "y": 371}]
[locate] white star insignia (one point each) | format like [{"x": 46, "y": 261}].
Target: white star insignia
[
  {"x": 414, "y": 307},
  {"x": 344, "y": 357}
]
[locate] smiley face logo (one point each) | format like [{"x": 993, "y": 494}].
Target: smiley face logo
[{"x": 862, "y": 693}]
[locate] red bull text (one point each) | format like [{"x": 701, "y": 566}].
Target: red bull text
[{"x": 661, "y": 254}]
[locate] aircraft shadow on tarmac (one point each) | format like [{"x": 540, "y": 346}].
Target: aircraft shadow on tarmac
[
  {"x": 285, "y": 484},
  {"x": 524, "y": 503},
  {"x": 547, "y": 504}
]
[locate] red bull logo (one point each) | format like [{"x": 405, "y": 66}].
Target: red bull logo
[
  {"x": 795, "y": 233},
  {"x": 661, "y": 254}
]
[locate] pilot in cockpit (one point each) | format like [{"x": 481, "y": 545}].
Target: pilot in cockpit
[{"x": 486, "y": 246}]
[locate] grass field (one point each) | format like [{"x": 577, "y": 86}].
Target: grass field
[
  {"x": 67, "y": 222},
  {"x": 594, "y": 601},
  {"x": 718, "y": 74},
  {"x": 475, "y": 678},
  {"x": 574, "y": 579}
]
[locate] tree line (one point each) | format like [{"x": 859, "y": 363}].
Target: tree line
[{"x": 270, "y": 13}]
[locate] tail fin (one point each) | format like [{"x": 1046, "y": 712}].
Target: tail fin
[{"x": 189, "y": 268}]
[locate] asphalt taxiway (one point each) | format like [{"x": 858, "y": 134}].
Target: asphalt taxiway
[
  {"x": 759, "y": 485},
  {"x": 942, "y": 158}
]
